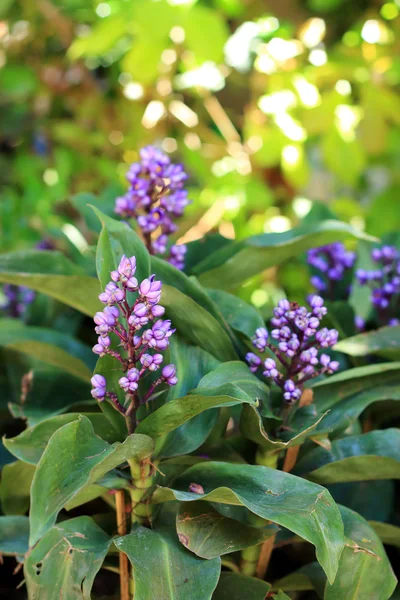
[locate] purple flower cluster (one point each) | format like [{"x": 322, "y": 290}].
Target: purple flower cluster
[
  {"x": 385, "y": 283},
  {"x": 139, "y": 330},
  {"x": 332, "y": 261},
  {"x": 17, "y": 299},
  {"x": 295, "y": 340},
  {"x": 155, "y": 198}
]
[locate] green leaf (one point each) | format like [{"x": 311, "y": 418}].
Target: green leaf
[
  {"x": 16, "y": 479},
  {"x": 192, "y": 364},
  {"x": 211, "y": 46},
  {"x": 66, "y": 560},
  {"x": 74, "y": 458},
  {"x": 173, "y": 414},
  {"x": 302, "y": 425},
  {"x": 29, "y": 445},
  {"x": 348, "y": 393},
  {"x": 309, "y": 577},
  {"x": 207, "y": 533},
  {"x": 14, "y": 534},
  {"x": 240, "y": 315},
  {"x": 384, "y": 342},
  {"x": 301, "y": 506},
  {"x": 344, "y": 158},
  {"x": 52, "y": 274},
  {"x": 364, "y": 569},
  {"x": 258, "y": 253},
  {"x": 50, "y": 393},
  {"x": 164, "y": 569},
  {"x": 116, "y": 239},
  {"x": 52, "y": 347},
  {"x": 101, "y": 38},
  {"x": 359, "y": 297},
  {"x": 374, "y": 455},
  {"x": 234, "y": 586},
  {"x": 196, "y": 325},
  {"x": 388, "y": 534}
]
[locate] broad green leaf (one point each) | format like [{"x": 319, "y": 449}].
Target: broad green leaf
[
  {"x": 235, "y": 373},
  {"x": 192, "y": 364},
  {"x": 345, "y": 158},
  {"x": 116, "y": 239},
  {"x": 14, "y": 534},
  {"x": 258, "y": 253},
  {"x": 202, "y": 248},
  {"x": 388, "y": 534},
  {"x": 52, "y": 274},
  {"x": 359, "y": 295},
  {"x": 301, "y": 428},
  {"x": 109, "y": 367},
  {"x": 52, "y": 347},
  {"x": 364, "y": 569},
  {"x": 16, "y": 479},
  {"x": 207, "y": 533},
  {"x": 164, "y": 569},
  {"x": 384, "y": 341},
  {"x": 242, "y": 317},
  {"x": 303, "y": 507},
  {"x": 173, "y": 414},
  {"x": 74, "y": 458},
  {"x": 29, "y": 445},
  {"x": 83, "y": 202},
  {"x": 195, "y": 324},
  {"x": 102, "y": 38},
  {"x": 374, "y": 455},
  {"x": 64, "y": 563},
  {"x": 370, "y": 499},
  {"x": 235, "y": 586},
  {"x": 142, "y": 61}
]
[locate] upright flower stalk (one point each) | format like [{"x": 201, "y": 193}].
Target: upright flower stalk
[
  {"x": 384, "y": 282},
  {"x": 132, "y": 317},
  {"x": 295, "y": 342},
  {"x": 331, "y": 263},
  {"x": 156, "y": 197}
]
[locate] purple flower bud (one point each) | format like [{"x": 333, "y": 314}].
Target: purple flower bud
[
  {"x": 359, "y": 323},
  {"x": 254, "y": 361},
  {"x": 157, "y": 310},
  {"x": 261, "y": 339},
  {"x": 99, "y": 387},
  {"x": 112, "y": 294},
  {"x": 169, "y": 374},
  {"x": 151, "y": 290},
  {"x": 291, "y": 392},
  {"x": 129, "y": 383},
  {"x": 151, "y": 362},
  {"x": 270, "y": 368}
]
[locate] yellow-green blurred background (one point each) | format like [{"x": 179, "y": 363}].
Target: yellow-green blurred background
[{"x": 279, "y": 109}]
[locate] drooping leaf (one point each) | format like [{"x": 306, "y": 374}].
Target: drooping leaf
[
  {"x": 258, "y": 253},
  {"x": 74, "y": 458},
  {"x": 207, "y": 533},
  {"x": 384, "y": 341},
  {"x": 301, "y": 428},
  {"x": 66, "y": 560},
  {"x": 301, "y": 506},
  {"x": 16, "y": 479},
  {"x": 164, "y": 569},
  {"x": 364, "y": 569},
  {"x": 235, "y": 586},
  {"x": 388, "y": 534},
  {"x": 52, "y": 274},
  {"x": 29, "y": 445},
  {"x": 52, "y": 347},
  {"x": 374, "y": 455},
  {"x": 14, "y": 534}
]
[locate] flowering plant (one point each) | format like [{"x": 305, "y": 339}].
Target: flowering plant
[{"x": 204, "y": 433}]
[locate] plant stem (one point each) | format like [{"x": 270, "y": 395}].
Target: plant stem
[
  {"x": 250, "y": 557},
  {"x": 122, "y": 530},
  {"x": 142, "y": 483}
]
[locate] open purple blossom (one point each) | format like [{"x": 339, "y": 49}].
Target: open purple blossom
[
  {"x": 130, "y": 330},
  {"x": 331, "y": 263},
  {"x": 155, "y": 198},
  {"x": 295, "y": 340},
  {"x": 16, "y": 299},
  {"x": 384, "y": 282}
]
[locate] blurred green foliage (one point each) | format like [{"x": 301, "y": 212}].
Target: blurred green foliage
[{"x": 281, "y": 112}]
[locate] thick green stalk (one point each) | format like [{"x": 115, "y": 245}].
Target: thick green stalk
[
  {"x": 142, "y": 482},
  {"x": 250, "y": 556}
]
